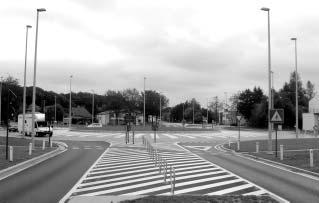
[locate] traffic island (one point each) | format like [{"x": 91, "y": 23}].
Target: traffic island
[{"x": 300, "y": 153}]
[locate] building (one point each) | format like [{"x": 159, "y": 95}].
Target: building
[
  {"x": 111, "y": 118},
  {"x": 79, "y": 116},
  {"x": 310, "y": 120}
]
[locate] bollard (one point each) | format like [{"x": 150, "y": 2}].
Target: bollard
[
  {"x": 311, "y": 157},
  {"x": 257, "y": 147},
  {"x": 30, "y": 149},
  {"x": 281, "y": 152},
  {"x": 238, "y": 146},
  {"x": 11, "y": 153},
  {"x": 171, "y": 179},
  {"x": 165, "y": 173},
  {"x": 156, "y": 158},
  {"x": 173, "y": 182},
  {"x": 51, "y": 144},
  {"x": 229, "y": 142},
  {"x": 160, "y": 165},
  {"x": 43, "y": 144}
]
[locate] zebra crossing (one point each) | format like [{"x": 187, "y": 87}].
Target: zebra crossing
[
  {"x": 130, "y": 170},
  {"x": 65, "y": 134}
]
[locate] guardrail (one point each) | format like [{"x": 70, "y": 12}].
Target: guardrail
[{"x": 161, "y": 163}]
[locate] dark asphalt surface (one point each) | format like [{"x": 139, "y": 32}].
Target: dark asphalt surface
[
  {"x": 293, "y": 187},
  {"x": 50, "y": 180}
]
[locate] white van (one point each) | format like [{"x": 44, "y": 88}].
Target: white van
[{"x": 41, "y": 127}]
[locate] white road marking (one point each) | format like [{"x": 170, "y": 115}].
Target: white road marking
[
  {"x": 232, "y": 189},
  {"x": 170, "y": 136}
]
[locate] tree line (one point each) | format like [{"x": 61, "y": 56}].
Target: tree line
[{"x": 128, "y": 100}]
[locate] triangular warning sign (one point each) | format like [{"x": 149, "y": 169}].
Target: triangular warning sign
[
  {"x": 203, "y": 148},
  {"x": 276, "y": 117}
]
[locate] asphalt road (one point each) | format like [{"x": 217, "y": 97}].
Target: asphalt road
[
  {"x": 293, "y": 187},
  {"x": 50, "y": 180}
]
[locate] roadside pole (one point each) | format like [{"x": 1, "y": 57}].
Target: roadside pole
[
  {"x": 238, "y": 141},
  {"x": 276, "y": 129},
  {"x": 276, "y": 118}
]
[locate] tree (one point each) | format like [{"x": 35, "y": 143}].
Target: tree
[
  {"x": 152, "y": 103},
  {"x": 310, "y": 90},
  {"x": 247, "y": 99}
]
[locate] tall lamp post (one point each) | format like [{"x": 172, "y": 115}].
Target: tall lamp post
[
  {"x": 193, "y": 113},
  {"x": 160, "y": 107},
  {"x": 35, "y": 73},
  {"x": 296, "y": 79},
  {"x": 24, "y": 80},
  {"x": 70, "y": 104},
  {"x": 92, "y": 106},
  {"x": 144, "y": 104},
  {"x": 1, "y": 99},
  {"x": 269, "y": 82}
]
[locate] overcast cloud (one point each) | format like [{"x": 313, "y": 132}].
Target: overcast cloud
[{"x": 186, "y": 49}]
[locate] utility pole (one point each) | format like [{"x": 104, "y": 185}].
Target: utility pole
[
  {"x": 92, "y": 106},
  {"x": 160, "y": 113},
  {"x": 70, "y": 105},
  {"x": 207, "y": 112},
  {"x": 0, "y": 99},
  {"x": 24, "y": 81},
  {"x": 296, "y": 79},
  {"x": 54, "y": 108},
  {"x": 144, "y": 116},
  {"x": 269, "y": 82},
  {"x": 193, "y": 113}
]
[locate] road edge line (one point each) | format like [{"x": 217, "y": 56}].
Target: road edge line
[
  {"x": 68, "y": 194},
  {"x": 7, "y": 172},
  {"x": 273, "y": 195}
]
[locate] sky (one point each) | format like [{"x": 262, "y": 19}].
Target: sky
[{"x": 185, "y": 49}]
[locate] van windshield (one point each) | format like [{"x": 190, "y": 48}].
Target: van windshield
[{"x": 42, "y": 124}]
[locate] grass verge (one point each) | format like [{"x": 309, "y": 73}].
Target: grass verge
[
  {"x": 21, "y": 150},
  {"x": 296, "y": 151}
]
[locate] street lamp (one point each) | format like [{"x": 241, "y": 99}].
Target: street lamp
[
  {"x": 35, "y": 73},
  {"x": 92, "y": 105},
  {"x": 144, "y": 104},
  {"x": 70, "y": 104},
  {"x": 269, "y": 82},
  {"x": 1, "y": 98},
  {"x": 193, "y": 113},
  {"x": 25, "y": 75},
  {"x": 296, "y": 79},
  {"x": 207, "y": 111},
  {"x": 160, "y": 107}
]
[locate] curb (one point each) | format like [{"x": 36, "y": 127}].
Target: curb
[
  {"x": 31, "y": 162},
  {"x": 294, "y": 169}
]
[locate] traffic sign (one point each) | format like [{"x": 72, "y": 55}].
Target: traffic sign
[
  {"x": 276, "y": 115},
  {"x": 238, "y": 118}
]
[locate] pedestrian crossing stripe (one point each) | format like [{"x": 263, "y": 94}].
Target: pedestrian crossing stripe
[
  {"x": 203, "y": 148},
  {"x": 114, "y": 174}
]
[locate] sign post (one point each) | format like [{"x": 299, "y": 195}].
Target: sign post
[
  {"x": 238, "y": 143},
  {"x": 277, "y": 118}
]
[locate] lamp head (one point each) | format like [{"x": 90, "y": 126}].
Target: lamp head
[
  {"x": 264, "y": 9},
  {"x": 293, "y": 38},
  {"x": 41, "y": 9},
  {"x": 29, "y": 26}
]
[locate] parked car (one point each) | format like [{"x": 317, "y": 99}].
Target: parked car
[{"x": 95, "y": 125}]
